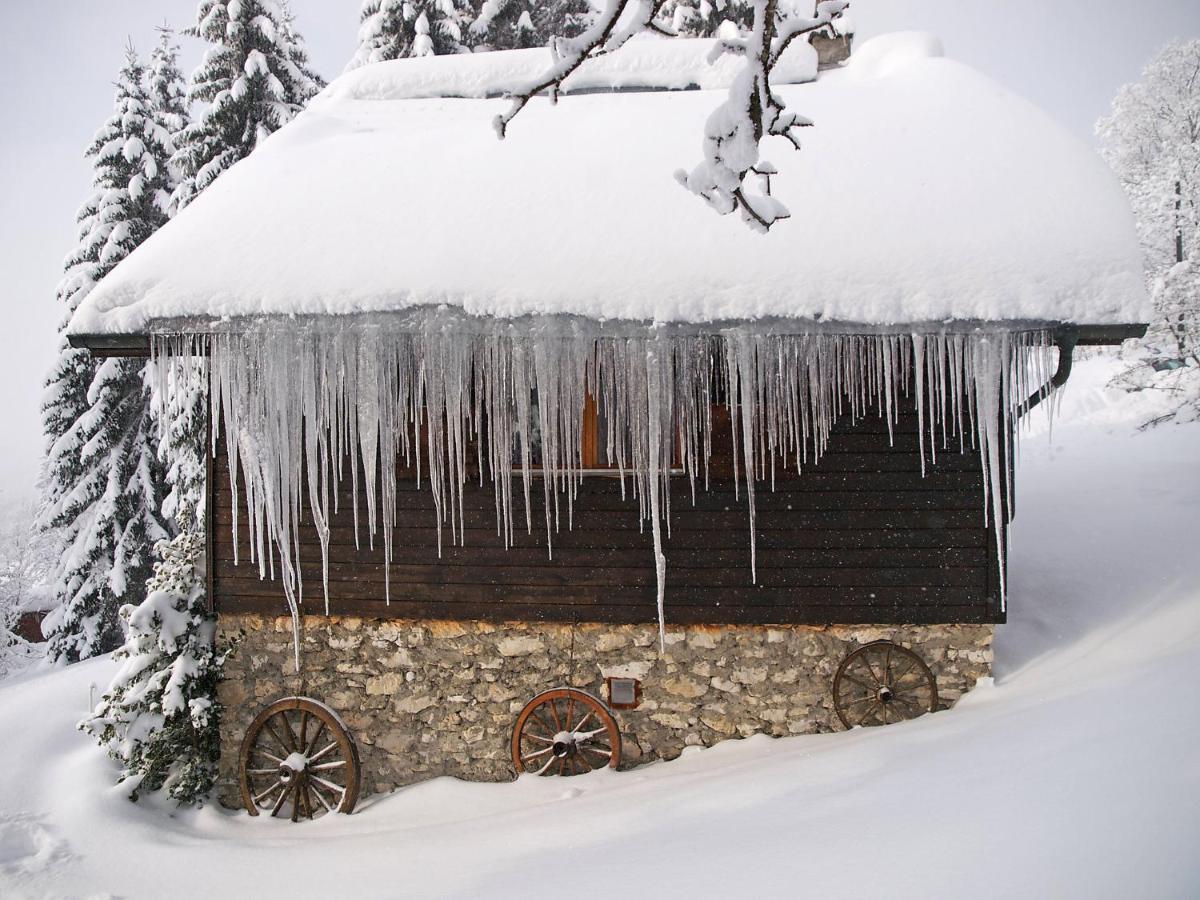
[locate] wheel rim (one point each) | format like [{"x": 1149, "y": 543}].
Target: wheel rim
[
  {"x": 565, "y": 732},
  {"x": 298, "y": 760},
  {"x": 883, "y": 683}
]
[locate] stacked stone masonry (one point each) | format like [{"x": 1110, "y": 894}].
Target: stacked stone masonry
[{"x": 429, "y": 698}]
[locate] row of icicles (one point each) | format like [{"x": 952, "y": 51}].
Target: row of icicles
[{"x": 298, "y": 404}]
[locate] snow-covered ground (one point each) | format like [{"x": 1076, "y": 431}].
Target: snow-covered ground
[{"x": 1076, "y": 775}]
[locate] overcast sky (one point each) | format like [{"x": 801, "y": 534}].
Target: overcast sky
[{"x": 58, "y": 59}]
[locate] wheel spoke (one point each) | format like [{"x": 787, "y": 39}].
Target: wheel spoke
[
  {"x": 870, "y": 699},
  {"x": 271, "y": 756},
  {"x": 312, "y": 759},
  {"x": 862, "y": 684},
  {"x": 867, "y": 714},
  {"x": 908, "y": 668},
  {"x": 341, "y": 763},
  {"x": 582, "y": 722},
  {"x": 312, "y": 742},
  {"x": 279, "y": 803},
  {"x": 916, "y": 708},
  {"x": 321, "y": 798},
  {"x": 554, "y": 712},
  {"x": 291, "y": 733},
  {"x": 536, "y": 737},
  {"x": 258, "y": 798},
  {"x": 536, "y": 754},
  {"x": 336, "y": 788},
  {"x": 549, "y": 726},
  {"x": 570, "y": 711},
  {"x": 865, "y": 661}
]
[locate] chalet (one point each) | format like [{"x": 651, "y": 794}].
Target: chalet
[{"x": 525, "y": 460}]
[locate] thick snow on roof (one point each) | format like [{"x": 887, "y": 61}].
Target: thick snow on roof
[
  {"x": 926, "y": 192},
  {"x": 646, "y": 62}
]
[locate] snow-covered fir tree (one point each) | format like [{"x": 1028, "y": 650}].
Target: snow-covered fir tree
[
  {"x": 1152, "y": 141},
  {"x": 159, "y": 717},
  {"x": 103, "y": 479},
  {"x": 704, "y": 18},
  {"x": 181, "y": 412},
  {"x": 393, "y": 29},
  {"x": 254, "y": 79},
  {"x": 516, "y": 24},
  {"x": 168, "y": 93}
]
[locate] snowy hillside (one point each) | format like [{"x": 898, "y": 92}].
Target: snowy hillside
[{"x": 1076, "y": 775}]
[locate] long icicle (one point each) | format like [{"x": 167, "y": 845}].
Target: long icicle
[{"x": 300, "y": 400}]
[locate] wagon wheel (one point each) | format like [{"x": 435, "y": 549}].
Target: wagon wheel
[
  {"x": 881, "y": 683},
  {"x": 298, "y": 760},
  {"x": 565, "y": 732}
]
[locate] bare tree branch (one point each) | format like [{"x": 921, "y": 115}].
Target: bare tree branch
[{"x": 735, "y": 129}]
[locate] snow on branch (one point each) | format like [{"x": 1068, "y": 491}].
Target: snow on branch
[{"x": 735, "y": 130}]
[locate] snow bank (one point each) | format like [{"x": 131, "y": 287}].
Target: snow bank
[
  {"x": 1065, "y": 779},
  {"x": 889, "y": 53},
  {"x": 925, "y": 193}
]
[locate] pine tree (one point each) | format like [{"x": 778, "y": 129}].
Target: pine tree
[
  {"x": 103, "y": 479},
  {"x": 160, "y": 715},
  {"x": 168, "y": 95},
  {"x": 394, "y": 29},
  {"x": 703, "y": 18},
  {"x": 181, "y": 410},
  {"x": 516, "y": 24},
  {"x": 254, "y": 78}
]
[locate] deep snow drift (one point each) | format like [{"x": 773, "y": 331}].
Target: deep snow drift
[{"x": 1075, "y": 775}]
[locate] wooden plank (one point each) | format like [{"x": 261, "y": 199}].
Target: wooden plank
[
  {"x": 767, "y": 502},
  {"x": 814, "y": 481},
  {"x": 481, "y": 539},
  {"x": 600, "y": 595},
  {"x": 348, "y": 557},
  {"x": 717, "y": 520},
  {"x": 678, "y": 614},
  {"x": 367, "y": 577}
]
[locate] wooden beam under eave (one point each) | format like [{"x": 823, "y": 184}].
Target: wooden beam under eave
[{"x": 103, "y": 346}]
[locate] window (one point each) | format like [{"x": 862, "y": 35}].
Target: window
[{"x": 594, "y": 445}]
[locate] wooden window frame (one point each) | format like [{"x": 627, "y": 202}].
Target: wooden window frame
[{"x": 590, "y": 447}]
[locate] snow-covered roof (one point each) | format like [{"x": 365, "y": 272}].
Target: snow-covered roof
[{"x": 926, "y": 192}]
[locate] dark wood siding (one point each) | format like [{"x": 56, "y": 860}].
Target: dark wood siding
[{"x": 860, "y": 538}]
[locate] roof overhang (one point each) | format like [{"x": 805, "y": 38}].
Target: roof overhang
[{"x": 138, "y": 345}]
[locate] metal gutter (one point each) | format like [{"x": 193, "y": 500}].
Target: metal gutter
[
  {"x": 1067, "y": 338},
  {"x": 138, "y": 345}
]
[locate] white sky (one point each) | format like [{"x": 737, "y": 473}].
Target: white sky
[{"x": 58, "y": 59}]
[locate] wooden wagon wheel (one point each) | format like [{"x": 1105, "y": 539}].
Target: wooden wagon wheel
[
  {"x": 565, "y": 732},
  {"x": 881, "y": 683},
  {"x": 299, "y": 760}
]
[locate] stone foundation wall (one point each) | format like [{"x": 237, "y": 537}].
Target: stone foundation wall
[{"x": 427, "y": 698}]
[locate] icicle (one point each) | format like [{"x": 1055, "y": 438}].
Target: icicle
[{"x": 299, "y": 401}]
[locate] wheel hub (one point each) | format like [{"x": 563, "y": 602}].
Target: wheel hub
[
  {"x": 886, "y": 695},
  {"x": 293, "y": 767},
  {"x": 564, "y": 745}
]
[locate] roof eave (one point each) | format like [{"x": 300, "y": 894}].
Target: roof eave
[{"x": 103, "y": 346}]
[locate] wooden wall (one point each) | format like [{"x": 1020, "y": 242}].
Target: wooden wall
[{"x": 859, "y": 538}]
